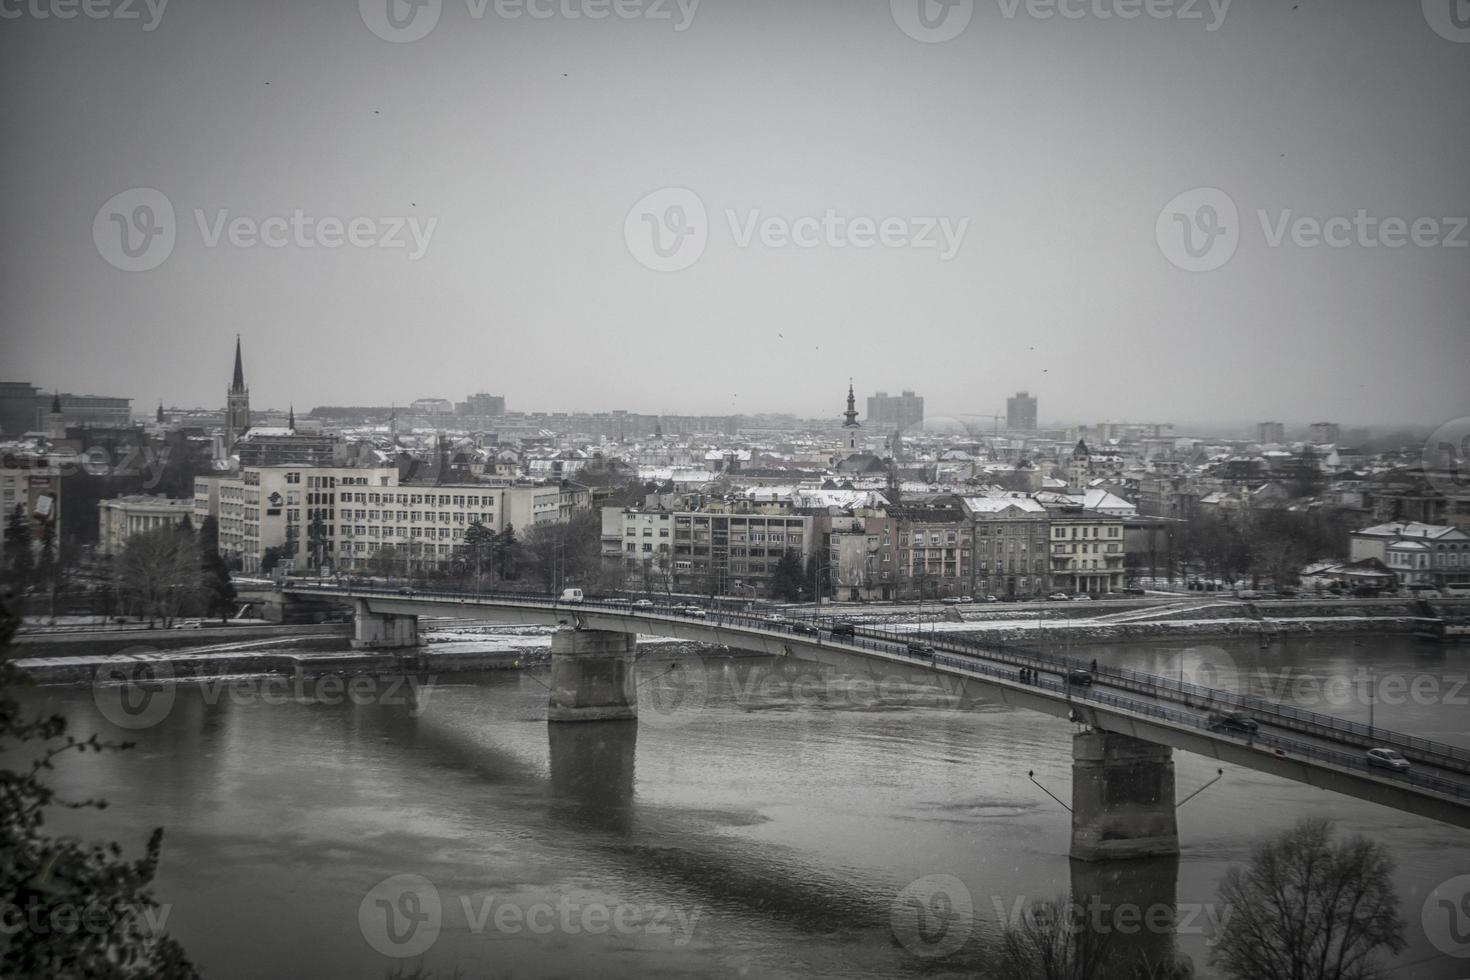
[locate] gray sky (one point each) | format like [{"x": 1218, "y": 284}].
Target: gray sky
[{"x": 530, "y": 140}]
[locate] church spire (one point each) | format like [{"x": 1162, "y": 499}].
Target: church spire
[
  {"x": 851, "y": 414},
  {"x": 239, "y": 383},
  {"x": 291, "y": 417}
]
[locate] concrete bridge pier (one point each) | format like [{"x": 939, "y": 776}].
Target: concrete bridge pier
[
  {"x": 382, "y": 631},
  {"x": 1122, "y": 798},
  {"x": 592, "y": 676}
]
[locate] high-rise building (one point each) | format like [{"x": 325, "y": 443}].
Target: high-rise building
[
  {"x": 237, "y": 403},
  {"x": 1326, "y": 433},
  {"x": 1021, "y": 412},
  {"x": 482, "y": 406},
  {"x": 901, "y": 411},
  {"x": 1270, "y": 432}
]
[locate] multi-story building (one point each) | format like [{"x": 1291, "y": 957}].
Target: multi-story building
[
  {"x": 934, "y": 548},
  {"x": 1270, "y": 433},
  {"x": 722, "y": 553},
  {"x": 120, "y": 518},
  {"x": 861, "y": 556},
  {"x": 1021, "y": 412},
  {"x": 341, "y": 517},
  {"x": 1010, "y": 535},
  {"x": 903, "y": 411},
  {"x": 1087, "y": 549},
  {"x": 1420, "y": 555},
  {"x": 1325, "y": 433},
  {"x": 32, "y": 484},
  {"x": 481, "y": 406}
]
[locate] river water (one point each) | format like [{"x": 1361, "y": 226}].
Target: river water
[{"x": 763, "y": 819}]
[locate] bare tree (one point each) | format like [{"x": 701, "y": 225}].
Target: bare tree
[
  {"x": 1308, "y": 908},
  {"x": 158, "y": 572}
]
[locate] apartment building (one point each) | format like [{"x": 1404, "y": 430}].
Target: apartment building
[
  {"x": 934, "y": 548},
  {"x": 728, "y": 553},
  {"x": 1011, "y": 534},
  {"x": 341, "y": 517},
  {"x": 1087, "y": 550}
]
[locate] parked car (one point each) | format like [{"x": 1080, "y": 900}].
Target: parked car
[
  {"x": 1387, "y": 759},
  {"x": 571, "y": 595},
  {"x": 920, "y": 650},
  {"x": 643, "y": 604},
  {"x": 966, "y": 599},
  {"x": 1058, "y": 597},
  {"x": 951, "y": 600},
  {"x": 1237, "y": 721},
  {"x": 1079, "y": 677},
  {"x": 991, "y": 598},
  {"x": 1134, "y": 590},
  {"x": 1080, "y": 597}
]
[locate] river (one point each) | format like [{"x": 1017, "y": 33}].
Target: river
[{"x": 764, "y": 819}]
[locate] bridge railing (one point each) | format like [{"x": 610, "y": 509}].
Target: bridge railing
[{"x": 896, "y": 641}]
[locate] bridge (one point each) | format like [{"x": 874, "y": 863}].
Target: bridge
[{"x": 1123, "y": 772}]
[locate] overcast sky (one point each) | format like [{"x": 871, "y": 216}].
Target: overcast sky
[{"x": 1049, "y": 147}]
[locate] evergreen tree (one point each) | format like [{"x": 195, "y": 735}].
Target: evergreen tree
[
  {"x": 788, "y": 578},
  {"x": 506, "y": 549},
  {"x": 215, "y": 585},
  {"x": 46, "y": 569},
  {"x": 18, "y": 547}
]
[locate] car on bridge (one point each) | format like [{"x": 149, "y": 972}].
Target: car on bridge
[
  {"x": 1385, "y": 758},
  {"x": 1078, "y": 677},
  {"x": 571, "y": 595},
  {"x": 842, "y": 629},
  {"x": 1235, "y": 721},
  {"x": 695, "y": 611},
  {"x": 920, "y": 650},
  {"x": 643, "y": 604},
  {"x": 805, "y": 629}
]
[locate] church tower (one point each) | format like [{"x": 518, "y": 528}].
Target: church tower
[
  {"x": 237, "y": 404},
  {"x": 850, "y": 427},
  {"x": 56, "y": 419}
]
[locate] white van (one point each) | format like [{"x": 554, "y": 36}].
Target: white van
[{"x": 571, "y": 595}]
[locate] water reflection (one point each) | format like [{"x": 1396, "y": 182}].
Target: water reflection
[{"x": 592, "y": 774}]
